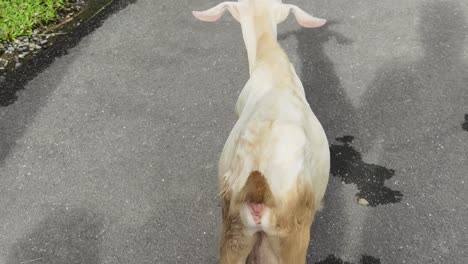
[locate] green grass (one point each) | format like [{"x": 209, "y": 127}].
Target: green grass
[{"x": 21, "y": 17}]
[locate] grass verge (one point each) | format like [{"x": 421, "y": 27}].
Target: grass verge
[{"x": 20, "y": 17}]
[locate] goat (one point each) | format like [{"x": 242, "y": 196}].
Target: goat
[{"x": 274, "y": 168}]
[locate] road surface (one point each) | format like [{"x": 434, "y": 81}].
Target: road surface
[{"x": 109, "y": 144}]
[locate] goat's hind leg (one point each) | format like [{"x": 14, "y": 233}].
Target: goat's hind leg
[
  {"x": 236, "y": 243},
  {"x": 294, "y": 246}
]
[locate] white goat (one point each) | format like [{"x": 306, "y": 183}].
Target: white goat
[{"x": 274, "y": 168}]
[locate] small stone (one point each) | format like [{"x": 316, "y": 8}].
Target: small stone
[
  {"x": 38, "y": 47},
  {"x": 17, "y": 65},
  {"x": 22, "y": 55},
  {"x": 3, "y": 63},
  {"x": 363, "y": 201},
  {"x": 32, "y": 46},
  {"x": 11, "y": 48},
  {"x": 44, "y": 41},
  {"x": 1, "y": 46}
]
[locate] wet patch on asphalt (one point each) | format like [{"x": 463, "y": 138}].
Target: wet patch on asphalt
[
  {"x": 347, "y": 164},
  {"x": 14, "y": 81},
  {"x": 364, "y": 260},
  {"x": 465, "y": 124}
]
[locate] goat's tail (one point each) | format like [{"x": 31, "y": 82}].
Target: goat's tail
[{"x": 256, "y": 190}]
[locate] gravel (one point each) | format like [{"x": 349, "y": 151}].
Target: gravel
[
  {"x": 3, "y": 63},
  {"x": 22, "y": 46}
]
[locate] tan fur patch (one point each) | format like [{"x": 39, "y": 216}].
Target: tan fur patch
[
  {"x": 297, "y": 211},
  {"x": 256, "y": 190}
]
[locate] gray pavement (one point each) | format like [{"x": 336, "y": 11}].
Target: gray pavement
[{"x": 109, "y": 154}]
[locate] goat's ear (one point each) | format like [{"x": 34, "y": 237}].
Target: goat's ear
[
  {"x": 302, "y": 17},
  {"x": 215, "y": 13}
]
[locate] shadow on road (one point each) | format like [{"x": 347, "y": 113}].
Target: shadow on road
[
  {"x": 334, "y": 260},
  {"x": 412, "y": 111},
  {"x": 465, "y": 124},
  {"x": 410, "y": 104},
  {"x": 324, "y": 92},
  {"x": 65, "y": 236},
  {"x": 322, "y": 86}
]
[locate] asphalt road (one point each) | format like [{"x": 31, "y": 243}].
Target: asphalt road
[{"x": 109, "y": 144}]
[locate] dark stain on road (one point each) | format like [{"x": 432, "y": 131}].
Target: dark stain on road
[
  {"x": 465, "y": 124},
  {"x": 14, "y": 81},
  {"x": 347, "y": 164},
  {"x": 364, "y": 260}
]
